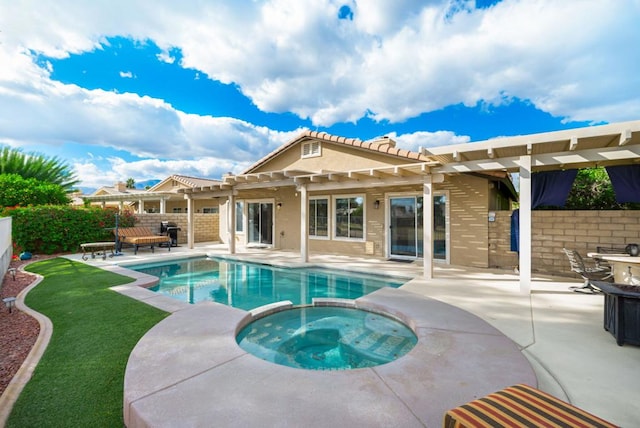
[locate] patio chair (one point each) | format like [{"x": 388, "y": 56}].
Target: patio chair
[{"x": 597, "y": 272}]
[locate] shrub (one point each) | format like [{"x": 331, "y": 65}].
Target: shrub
[
  {"x": 16, "y": 190},
  {"x": 52, "y": 229}
]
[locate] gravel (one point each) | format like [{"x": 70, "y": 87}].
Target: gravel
[{"x": 18, "y": 331}]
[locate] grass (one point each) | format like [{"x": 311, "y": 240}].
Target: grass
[{"x": 79, "y": 380}]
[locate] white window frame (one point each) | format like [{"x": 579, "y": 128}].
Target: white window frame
[
  {"x": 329, "y": 218},
  {"x": 310, "y": 149},
  {"x": 364, "y": 217}
]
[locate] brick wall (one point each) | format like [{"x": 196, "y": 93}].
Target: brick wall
[
  {"x": 206, "y": 226},
  {"x": 583, "y": 231}
]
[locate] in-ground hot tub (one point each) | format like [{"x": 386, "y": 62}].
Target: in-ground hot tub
[
  {"x": 189, "y": 370},
  {"x": 325, "y": 337}
]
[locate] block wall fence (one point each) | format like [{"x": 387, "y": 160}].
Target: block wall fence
[
  {"x": 206, "y": 226},
  {"x": 583, "y": 231}
]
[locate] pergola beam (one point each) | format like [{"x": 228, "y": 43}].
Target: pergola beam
[
  {"x": 589, "y": 156},
  {"x": 625, "y": 137}
]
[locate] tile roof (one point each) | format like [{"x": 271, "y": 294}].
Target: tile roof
[{"x": 383, "y": 145}]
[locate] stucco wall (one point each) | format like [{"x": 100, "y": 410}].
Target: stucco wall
[
  {"x": 583, "y": 231},
  {"x": 6, "y": 249},
  {"x": 336, "y": 156}
]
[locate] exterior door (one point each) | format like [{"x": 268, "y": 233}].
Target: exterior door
[
  {"x": 406, "y": 227},
  {"x": 260, "y": 222}
]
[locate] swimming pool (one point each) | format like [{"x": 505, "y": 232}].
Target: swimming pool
[{"x": 249, "y": 285}]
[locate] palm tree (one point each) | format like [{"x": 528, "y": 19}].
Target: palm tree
[
  {"x": 131, "y": 183},
  {"x": 37, "y": 166}
]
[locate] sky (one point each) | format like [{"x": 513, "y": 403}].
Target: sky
[{"x": 138, "y": 89}]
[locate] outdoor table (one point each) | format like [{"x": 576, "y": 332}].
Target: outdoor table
[
  {"x": 626, "y": 269},
  {"x": 99, "y": 248}
]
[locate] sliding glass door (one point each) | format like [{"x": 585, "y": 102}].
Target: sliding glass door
[
  {"x": 260, "y": 222},
  {"x": 406, "y": 227}
]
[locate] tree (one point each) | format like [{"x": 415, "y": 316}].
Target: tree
[
  {"x": 592, "y": 190},
  {"x": 37, "y": 166},
  {"x": 131, "y": 183},
  {"x": 18, "y": 191}
]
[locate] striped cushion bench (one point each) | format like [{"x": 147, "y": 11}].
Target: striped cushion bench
[
  {"x": 141, "y": 235},
  {"x": 521, "y": 406}
]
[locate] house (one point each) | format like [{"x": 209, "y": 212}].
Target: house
[
  {"x": 322, "y": 193},
  {"x": 161, "y": 198},
  {"x": 346, "y": 196},
  {"x": 327, "y": 194}
]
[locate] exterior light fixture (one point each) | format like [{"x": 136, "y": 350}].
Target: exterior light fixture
[
  {"x": 376, "y": 204},
  {"x": 279, "y": 205},
  {"x": 9, "y": 302}
]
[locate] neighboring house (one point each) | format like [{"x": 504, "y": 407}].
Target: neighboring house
[
  {"x": 358, "y": 198},
  {"x": 116, "y": 196},
  {"x": 161, "y": 198}
]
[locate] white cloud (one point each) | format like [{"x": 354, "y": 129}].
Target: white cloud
[
  {"x": 394, "y": 60},
  {"x": 425, "y": 139},
  {"x": 126, "y": 74}
]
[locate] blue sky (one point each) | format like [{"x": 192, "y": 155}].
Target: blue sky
[{"x": 147, "y": 89}]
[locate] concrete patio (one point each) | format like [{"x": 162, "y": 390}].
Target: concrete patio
[{"x": 560, "y": 332}]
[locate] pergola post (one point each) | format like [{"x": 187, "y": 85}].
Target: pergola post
[
  {"x": 231, "y": 223},
  {"x": 427, "y": 227},
  {"x": 525, "y": 225},
  {"x": 304, "y": 231},
  {"x": 190, "y": 221}
]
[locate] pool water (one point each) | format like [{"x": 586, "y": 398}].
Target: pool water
[
  {"x": 327, "y": 338},
  {"x": 248, "y": 285}
]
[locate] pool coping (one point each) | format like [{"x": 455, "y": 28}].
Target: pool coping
[{"x": 191, "y": 359}]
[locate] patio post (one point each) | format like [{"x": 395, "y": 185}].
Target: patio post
[
  {"x": 231, "y": 223},
  {"x": 190, "y": 221},
  {"x": 163, "y": 205},
  {"x": 304, "y": 233},
  {"x": 525, "y": 225},
  {"x": 427, "y": 227}
]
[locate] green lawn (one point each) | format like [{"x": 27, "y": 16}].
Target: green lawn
[{"x": 79, "y": 380}]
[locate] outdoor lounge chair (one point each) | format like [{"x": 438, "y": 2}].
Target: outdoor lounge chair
[{"x": 596, "y": 272}]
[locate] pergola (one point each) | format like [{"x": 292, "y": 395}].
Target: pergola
[
  {"x": 139, "y": 197},
  {"x": 606, "y": 145}
]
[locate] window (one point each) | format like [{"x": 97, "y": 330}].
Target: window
[
  {"x": 239, "y": 217},
  {"x": 177, "y": 210},
  {"x": 349, "y": 217},
  {"x": 319, "y": 218},
  {"x": 311, "y": 149},
  {"x": 213, "y": 210}
]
